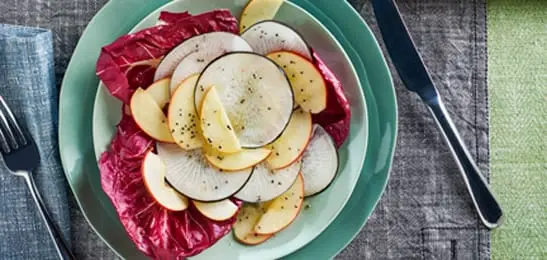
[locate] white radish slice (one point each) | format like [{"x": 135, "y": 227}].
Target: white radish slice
[
  {"x": 266, "y": 184},
  {"x": 310, "y": 89},
  {"x": 319, "y": 162},
  {"x": 218, "y": 42},
  {"x": 258, "y": 10},
  {"x": 189, "y": 173},
  {"x": 218, "y": 211},
  {"x": 149, "y": 116},
  {"x": 182, "y": 118},
  {"x": 293, "y": 141},
  {"x": 283, "y": 210},
  {"x": 236, "y": 161},
  {"x": 197, "y": 61},
  {"x": 248, "y": 216},
  {"x": 254, "y": 92},
  {"x": 153, "y": 172},
  {"x": 159, "y": 91},
  {"x": 215, "y": 125},
  {"x": 272, "y": 36}
]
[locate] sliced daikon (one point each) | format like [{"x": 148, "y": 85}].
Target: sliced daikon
[
  {"x": 271, "y": 36},
  {"x": 319, "y": 162},
  {"x": 217, "y": 42},
  {"x": 189, "y": 173},
  {"x": 254, "y": 92},
  {"x": 266, "y": 184},
  {"x": 195, "y": 62}
]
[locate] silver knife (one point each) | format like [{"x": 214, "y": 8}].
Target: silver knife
[{"x": 416, "y": 78}]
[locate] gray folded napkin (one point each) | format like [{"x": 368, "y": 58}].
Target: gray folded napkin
[{"x": 27, "y": 83}]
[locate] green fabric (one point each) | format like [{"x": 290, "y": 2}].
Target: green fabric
[{"x": 517, "y": 63}]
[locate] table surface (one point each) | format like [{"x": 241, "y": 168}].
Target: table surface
[{"x": 452, "y": 37}]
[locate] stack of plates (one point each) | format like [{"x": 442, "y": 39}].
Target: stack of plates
[{"x": 340, "y": 37}]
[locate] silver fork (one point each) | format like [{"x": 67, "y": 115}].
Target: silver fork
[{"x": 21, "y": 157}]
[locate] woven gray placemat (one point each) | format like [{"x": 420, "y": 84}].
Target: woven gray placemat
[{"x": 425, "y": 211}]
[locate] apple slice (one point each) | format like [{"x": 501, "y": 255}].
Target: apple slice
[
  {"x": 153, "y": 172},
  {"x": 266, "y": 184},
  {"x": 236, "y": 161},
  {"x": 182, "y": 116},
  {"x": 218, "y": 211},
  {"x": 149, "y": 116},
  {"x": 258, "y": 10},
  {"x": 215, "y": 124},
  {"x": 310, "y": 90},
  {"x": 248, "y": 216},
  {"x": 291, "y": 144},
  {"x": 159, "y": 91},
  {"x": 283, "y": 210}
]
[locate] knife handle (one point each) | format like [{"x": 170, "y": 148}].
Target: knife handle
[{"x": 487, "y": 207}]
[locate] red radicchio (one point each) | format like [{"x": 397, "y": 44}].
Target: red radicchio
[
  {"x": 130, "y": 61},
  {"x": 336, "y": 117},
  {"x": 156, "y": 231}
]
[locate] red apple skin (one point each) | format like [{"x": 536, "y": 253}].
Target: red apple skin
[
  {"x": 313, "y": 65},
  {"x": 232, "y": 170},
  {"x": 301, "y": 150},
  {"x": 235, "y": 213},
  {"x": 148, "y": 186},
  {"x": 249, "y": 243},
  {"x": 142, "y": 129},
  {"x": 296, "y": 215}
]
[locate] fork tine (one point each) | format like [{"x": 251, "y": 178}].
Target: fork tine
[
  {"x": 11, "y": 141},
  {"x": 13, "y": 121},
  {"x": 4, "y": 144}
]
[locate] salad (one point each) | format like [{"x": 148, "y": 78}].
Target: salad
[{"x": 225, "y": 126}]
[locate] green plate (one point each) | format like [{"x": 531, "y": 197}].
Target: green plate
[
  {"x": 325, "y": 206},
  {"x": 76, "y": 107}
]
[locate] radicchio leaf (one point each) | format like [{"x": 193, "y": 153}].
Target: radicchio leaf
[
  {"x": 336, "y": 116},
  {"x": 130, "y": 61},
  {"x": 156, "y": 231}
]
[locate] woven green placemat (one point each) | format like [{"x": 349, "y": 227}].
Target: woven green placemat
[{"x": 517, "y": 49}]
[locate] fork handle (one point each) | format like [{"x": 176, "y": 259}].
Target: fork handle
[
  {"x": 488, "y": 208},
  {"x": 61, "y": 246}
]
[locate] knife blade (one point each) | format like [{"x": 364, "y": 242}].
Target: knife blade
[{"x": 416, "y": 78}]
